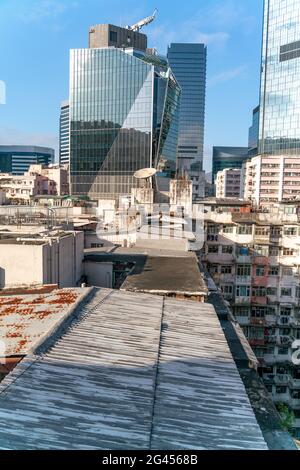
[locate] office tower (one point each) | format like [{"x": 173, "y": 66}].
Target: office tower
[
  {"x": 280, "y": 79},
  {"x": 253, "y": 140},
  {"x": 64, "y": 134},
  {"x": 188, "y": 63},
  {"x": 228, "y": 157},
  {"x": 124, "y": 107},
  {"x": 16, "y": 159}
]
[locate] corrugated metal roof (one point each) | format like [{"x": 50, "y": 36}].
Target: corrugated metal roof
[
  {"x": 134, "y": 371},
  {"x": 25, "y": 319}
]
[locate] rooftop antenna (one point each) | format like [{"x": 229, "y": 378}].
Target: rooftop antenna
[{"x": 138, "y": 26}]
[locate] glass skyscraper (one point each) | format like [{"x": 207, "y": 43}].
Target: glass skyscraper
[
  {"x": 124, "y": 110},
  {"x": 64, "y": 134},
  {"x": 279, "y": 120},
  {"x": 188, "y": 62}
]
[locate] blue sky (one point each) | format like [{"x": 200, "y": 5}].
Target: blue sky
[{"x": 36, "y": 35}]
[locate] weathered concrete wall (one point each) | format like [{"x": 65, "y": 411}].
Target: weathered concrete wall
[{"x": 98, "y": 274}]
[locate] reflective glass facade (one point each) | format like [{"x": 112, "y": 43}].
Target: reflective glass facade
[
  {"x": 16, "y": 159},
  {"x": 254, "y": 133},
  {"x": 64, "y": 134},
  {"x": 188, "y": 63},
  {"x": 124, "y": 108},
  {"x": 280, "y": 81}
]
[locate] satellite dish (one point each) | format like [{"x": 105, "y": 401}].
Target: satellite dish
[{"x": 145, "y": 173}]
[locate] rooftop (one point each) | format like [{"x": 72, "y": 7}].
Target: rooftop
[
  {"x": 131, "y": 371},
  {"x": 26, "y": 319},
  {"x": 156, "y": 271}
]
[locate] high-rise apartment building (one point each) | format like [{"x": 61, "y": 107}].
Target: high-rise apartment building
[
  {"x": 228, "y": 183},
  {"x": 64, "y": 134},
  {"x": 254, "y": 258},
  {"x": 124, "y": 109},
  {"x": 269, "y": 179},
  {"x": 188, "y": 62},
  {"x": 279, "y": 119}
]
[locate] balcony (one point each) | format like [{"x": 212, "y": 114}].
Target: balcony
[
  {"x": 260, "y": 260},
  {"x": 257, "y": 321},
  {"x": 242, "y": 300},
  {"x": 258, "y": 300},
  {"x": 243, "y": 280},
  {"x": 260, "y": 281},
  {"x": 256, "y": 342},
  {"x": 243, "y": 259},
  {"x": 243, "y": 321}
]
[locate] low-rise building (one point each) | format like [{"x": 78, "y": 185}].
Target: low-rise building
[
  {"x": 130, "y": 370},
  {"x": 37, "y": 181}
]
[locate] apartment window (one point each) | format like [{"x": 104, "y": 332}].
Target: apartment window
[
  {"x": 286, "y": 311},
  {"x": 284, "y": 331},
  {"x": 256, "y": 333},
  {"x": 259, "y": 291},
  {"x": 274, "y": 271},
  {"x": 288, "y": 252},
  {"x": 283, "y": 351},
  {"x": 274, "y": 251},
  {"x": 113, "y": 36},
  {"x": 243, "y": 291},
  {"x": 226, "y": 269},
  {"x": 276, "y": 231},
  {"x": 213, "y": 249},
  {"x": 281, "y": 390},
  {"x": 227, "y": 229},
  {"x": 271, "y": 310},
  {"x": 213, "y": 229},
  {"x": 258, "y": 312},
  {"x": 227, "y": 289},
  {"x": 271, "y": 291},
  {"x": 261, "y": 250},
  {"x": 243, "y": 270},
  {"x": 213, "y": 269},
  {"x": 290, "y": 231},
  {"x": 286, "y": 292},
  {"x": 227, "y": 249},
  {"x": 242, "y": 311},
  {"x": 286, "y": 271},
  {"x": 263, "y": 231},
  {"x": 298, "y": 292},
  {"x": 244, "y": 230},
  {"x": 260, "y": 271},
  {"x": 212, "y": 237}
]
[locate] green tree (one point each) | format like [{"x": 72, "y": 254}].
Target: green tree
[{"x": 287, "y": 416}]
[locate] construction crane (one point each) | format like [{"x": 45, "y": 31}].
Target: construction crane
[{"x": 138, "y": 26}]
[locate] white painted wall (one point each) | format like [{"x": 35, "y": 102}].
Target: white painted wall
[
  {"x": 98, "y": 274},
  {"x": 21, "y": 265},
  {"x": 58, "y": 262}
]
